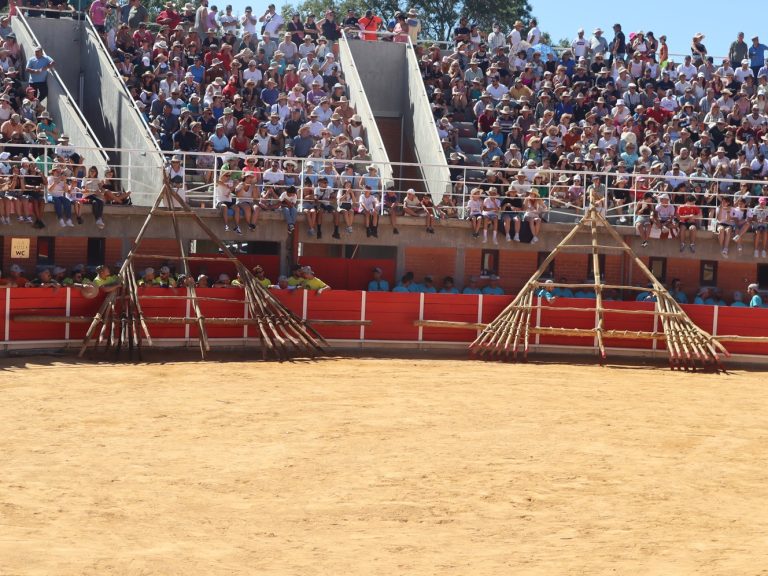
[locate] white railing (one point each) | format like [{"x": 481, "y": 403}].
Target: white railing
[
  {"x": 564, "y": 202},
  {"x": 359, "y": 101}
]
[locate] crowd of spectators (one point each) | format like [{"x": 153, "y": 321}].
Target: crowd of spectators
[
  {"x": 104, "y": 277},
  {"x": 650, "y": 127}
]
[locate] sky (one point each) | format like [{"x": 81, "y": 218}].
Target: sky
[{"x": 678, "y": 19}]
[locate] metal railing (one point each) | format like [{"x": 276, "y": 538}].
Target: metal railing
[{"x": 564, "y": 201}]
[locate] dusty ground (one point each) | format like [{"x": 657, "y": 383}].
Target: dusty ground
[{"x": 370, "y": 466}]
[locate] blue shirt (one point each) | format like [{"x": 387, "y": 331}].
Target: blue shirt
[
  {"x": 470, "y": 290},
  {"x": 756, "y": 302},
  {"x": 220, "y": 144},
  {"x": 37, "y": 63},
  {"x": 563, "y": 292},
  {"x": 400, "y": 288},
  {"x": 546, "y": 294},
  {"x": 198, "y": 73},
  {"x": 738, "y": 304},
  {"x": 757, "y": 54},
  {"x": 378, "y": 286},
  {"x": 453, "y": 290},
  {"x": 680, "y": 297},
  {"x": 498, "y": 291}
]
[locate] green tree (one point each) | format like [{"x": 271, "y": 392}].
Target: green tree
[
  {"x": 383, "y": 8},
  {"x": 505, "y": 12},
  {"x": 438, "y": 17}
]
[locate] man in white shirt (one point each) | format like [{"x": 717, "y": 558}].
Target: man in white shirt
[
  {"x": 579, "y": 45},
  {"x": 534, "y": 34},
  {"x": 743, "y": 72},
  {"x": 687, "y": 68},
  {"x": 272, "y": 20},
  {"x": 249, "y": 21},
  {"x": 496, "y": 39},
  {"x": 496, "y": 89},
  {"x": 515, "y": 37}
]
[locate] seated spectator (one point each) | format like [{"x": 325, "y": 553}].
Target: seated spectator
[
  {"x": 475, "y": 212},
  {"x": 392, "y": 207},
  {"x": 547, "y": 292},
  {"x": 493, "y": 288},
  {"x": 473, "y": 287},
  {"x": 448, "y": 286},
  {"x": 44, "y": 279},
  {"x": 378, "y": 284},
  {"x": 758, "y": 217},
  {"x": 755, "y": 300},
  {"x": 261, "y": 278},
  {"x": 738, "y": 300},
  {"x": 689, "y": 220},
  {"x": 644, "y": 211},
  {"x": 312, "y": 282}
]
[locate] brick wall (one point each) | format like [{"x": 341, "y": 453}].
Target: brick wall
[
  {"x": 71, "y": 251},
  {"x": 436, "y": 262}
]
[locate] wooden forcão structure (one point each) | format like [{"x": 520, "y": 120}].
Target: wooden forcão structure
[
  {"x": 688, "y": 345},
  {"x": 122, "y": 321}
]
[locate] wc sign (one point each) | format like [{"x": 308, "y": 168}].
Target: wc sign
[{"x": 20, "y": 248}]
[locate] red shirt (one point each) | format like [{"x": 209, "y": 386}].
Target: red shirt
[
  {"x": 686, "y": 212},
  {"x": 250, "y": 126}
]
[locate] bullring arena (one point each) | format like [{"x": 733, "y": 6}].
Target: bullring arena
[{"x": 376, "y": 465}]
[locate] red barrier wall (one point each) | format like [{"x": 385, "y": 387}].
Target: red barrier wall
[{"x": 392, "y": 316}]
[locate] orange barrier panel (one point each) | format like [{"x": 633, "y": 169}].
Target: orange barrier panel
[
  {"x": 335, "y": 305},
  {"x": 452, "y": 307},
  {"x": 392, "y": 315},
  {"x": 743, "y": 322},
  {"x": 552, "y": 317},
  {"x": 631, "y": 322},
  {"x": 39, "y": 302},
  {"x": 165, "y": 308},
  {"x": 494, "y": 305}
]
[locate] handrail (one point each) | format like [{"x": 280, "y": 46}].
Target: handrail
[
  {"x": 67, "y": 93},
  {"x": 359, "y": 100},
  {"x": 91, "y": 29}
]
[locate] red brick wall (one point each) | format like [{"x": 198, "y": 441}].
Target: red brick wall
[
  {"x": 71, "y": 251},
  {"x": 436, "y": 262},
  {"x": 571, "y": 266}
]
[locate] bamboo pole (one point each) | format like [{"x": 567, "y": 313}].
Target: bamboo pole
[
  {"x": 596, "y": 273},
  {"x": 172, "y": 196}
]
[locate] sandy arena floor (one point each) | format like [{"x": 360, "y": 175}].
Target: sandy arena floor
[{"x": 370, "y": 466}]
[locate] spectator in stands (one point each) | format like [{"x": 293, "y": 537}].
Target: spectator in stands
[
  {"x": 758, "y": 217},
  {"x": 378, "y": 284},
  {"x": 689, "y": 220},
  {"x": 755, "y": 300},
  {"x": 473, "y": 287},
  {"x": 312, "y": 282}
]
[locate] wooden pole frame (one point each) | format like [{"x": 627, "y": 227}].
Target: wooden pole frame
[
  {"x": 281, "y": 333},
  {"x": 688, "y": 345}
]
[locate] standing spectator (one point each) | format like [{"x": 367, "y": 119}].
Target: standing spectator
[
  {"x": 369, "y": 24},
  {"x": 756, "y": 54},
  {"x": 755, "y": 301},
  {"x": 759, "y": 220},
  {"x": 38, "y": 67},
  {"x": 739, "y": 49},
  {"x": 414, "y": 25},
  {"x": 248, "y": 21},
  {"x": 618, "y": 45},
  {"x": 272, "y": 20}
]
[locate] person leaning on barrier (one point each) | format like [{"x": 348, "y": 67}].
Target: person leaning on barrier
[
  {"x": 312, "y": 282},
  {"x": 755, "y": 300}
]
